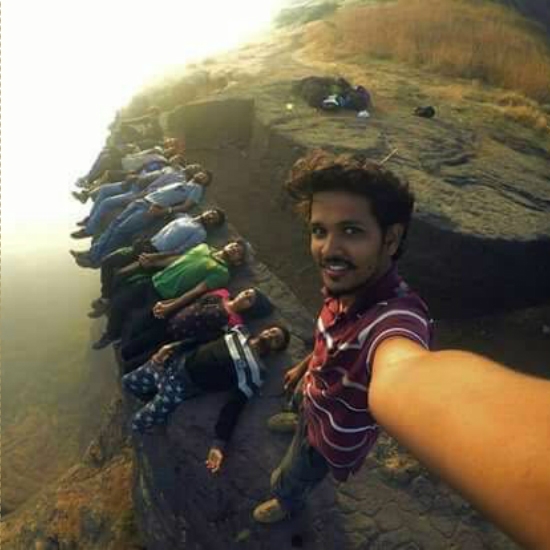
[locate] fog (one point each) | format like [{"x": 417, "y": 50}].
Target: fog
[{"x": 67, "y": 68}]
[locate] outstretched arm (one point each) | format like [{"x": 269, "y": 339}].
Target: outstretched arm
[
  {"x": 167, "y": 307},
  {"x": 227, "y": 420},
  {"x": 482, "y": 427}
]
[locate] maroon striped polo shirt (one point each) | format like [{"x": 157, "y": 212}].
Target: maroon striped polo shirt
[{"x": 340, "y": 425}]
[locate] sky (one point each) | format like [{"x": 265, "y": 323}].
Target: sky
[{"x": 66, "y": 68}]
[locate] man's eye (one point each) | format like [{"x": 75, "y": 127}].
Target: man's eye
[
  {"x": 317, "y": 231},
  {"x": 352, "y": 230}
]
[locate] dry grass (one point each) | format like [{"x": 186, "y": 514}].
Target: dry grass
[
  {"x": 454, "y": 37},
  {"x": 523, "y": 110}
]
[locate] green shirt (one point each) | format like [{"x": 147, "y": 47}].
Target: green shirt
[{"x": 195, "y": 266}]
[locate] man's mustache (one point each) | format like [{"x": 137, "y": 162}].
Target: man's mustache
[{"x": 335, "y": 260}]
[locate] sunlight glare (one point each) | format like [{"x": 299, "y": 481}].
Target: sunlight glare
[{"x": 68, "y": 66}]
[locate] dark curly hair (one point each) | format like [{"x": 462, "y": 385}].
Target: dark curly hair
[{"x": 390, "y": 197}]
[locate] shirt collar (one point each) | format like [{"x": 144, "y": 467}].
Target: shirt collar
[{"x": 385, "y": 287}]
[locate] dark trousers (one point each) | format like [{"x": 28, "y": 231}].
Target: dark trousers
[
  {"x": 118, "y": 259},
  {"x": 134, "y": 296},
  {"x": 107, "y": 160},
  {"x": 143, "y": 333},
  {"x": 302, "y": 468}
]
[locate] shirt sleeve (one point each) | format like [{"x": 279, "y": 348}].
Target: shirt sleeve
[
  {"x": 195, "y": 193},
  {"x": 406, "y": 322},
  {"x": 158, "y": 182},
  {"x": 147, "y": 179},
  {"x": 228, "y": 417}
]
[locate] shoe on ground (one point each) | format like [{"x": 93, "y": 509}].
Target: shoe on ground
[
  {"x": 270, "y": 511},
  {"x": 284, "y": 422},
  {"x": 95, "y": 313},
  {"x": 78, "y": 253},
  {"x": 103, "y": 342},
  {"x": 83, "y": 222},
  {"x": 80, "y": 234},
  {"x": 81, "y": 182},
  {"x": 99, "y": 303},
  {"x": 81, "y": 196},
  {"x": 84, "y": 262}
]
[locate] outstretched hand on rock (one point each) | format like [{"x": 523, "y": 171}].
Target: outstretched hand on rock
[
  {"x": 292, "y": 377},
  {"x": 214, "y": 459}
]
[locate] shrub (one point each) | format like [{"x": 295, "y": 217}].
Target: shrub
[{"x": 454, "y": 37}]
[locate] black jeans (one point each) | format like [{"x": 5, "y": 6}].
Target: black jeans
[
  {"x": 134, "y": 296},
  {"x": 143, "y": 333},
  {"x": 118, "y": 259}
]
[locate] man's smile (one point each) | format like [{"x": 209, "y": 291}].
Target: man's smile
[{"x": 336, "y": 267}]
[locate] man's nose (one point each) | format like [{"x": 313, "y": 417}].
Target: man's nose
[{"x": 331, "y": 245}]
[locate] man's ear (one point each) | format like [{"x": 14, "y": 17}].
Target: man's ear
[{"x": 393, "y": 237}]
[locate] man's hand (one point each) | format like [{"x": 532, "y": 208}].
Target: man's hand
[
  {"x": 147, "y": 260},
  {"x": 293, "y": 376},
  {"x": 160, "y": 357},
  {"x": 214, "y": 460},
  {"x": 157, "y": 211},
  {"x": 162, "y": 309}
]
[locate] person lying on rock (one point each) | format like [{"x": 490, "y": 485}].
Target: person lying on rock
[
  {"x": 183, "y": 279},
  {"x": 113, "y": 196},
  {"x": 203, "y": 320},
  {"x": 478, "y": 425},
  {"x": 106, "y": 187},
  {"x": 174, "y": 239},
  {"x": 231, "y": 363},
  {"x": 143, "y": 213},
  {"x": 112, "y": 165},
  {"x": 108, "y": 159}
]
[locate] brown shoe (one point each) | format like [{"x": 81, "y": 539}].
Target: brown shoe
[
  {"x": 80, "y": 234},
  {"x": 270, "y": 511},
  {"x": 284, "y": 422}
]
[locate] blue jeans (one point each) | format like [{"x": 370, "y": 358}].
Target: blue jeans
[
  {"x": 301, "y": 469},
  {"x": 164, "y": 387},
  {"x": 110, "y": 197},
  {"x": 121, "y": 230}
]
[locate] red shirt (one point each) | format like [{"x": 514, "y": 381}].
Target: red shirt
[{"x": 340, "y": 425}]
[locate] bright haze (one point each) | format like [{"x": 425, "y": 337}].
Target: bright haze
[{"x": 66, "y": 68}]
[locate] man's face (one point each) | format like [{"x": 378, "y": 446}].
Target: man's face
[
  {"x": 234, "y": 253},
  {"x": 272, "y": 339},
  {"x": 201, "y": 178},
  {"x": 210, "y": 217},
  {"x": 245, "y": 299},
  {"x": 347, "y": 243}
]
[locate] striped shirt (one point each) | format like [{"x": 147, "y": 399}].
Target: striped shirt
[
  {"x": 226, "y": 364},
  {"x": 248, "y": 367},
  {"x": 340, "y": 425}
]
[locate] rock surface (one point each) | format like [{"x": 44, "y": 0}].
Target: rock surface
[
  {"x": 480, "y": 240},
  {"x": 392, "y": 503}
]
